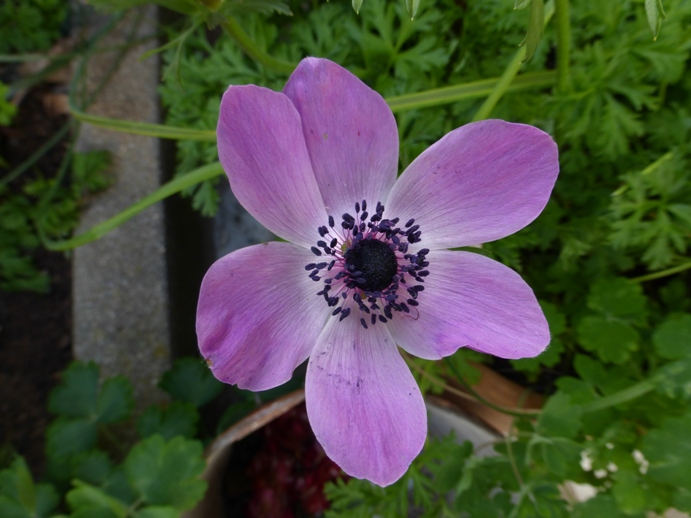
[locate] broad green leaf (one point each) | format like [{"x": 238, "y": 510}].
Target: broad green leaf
[
  {"x": 601, "y": 506},
  {"x": 167, "y": 473},
  {"x": 612, "y": 340},
  {"x": 76, "y": 396},
  {"x": 20, "y": 497},
  {"x": 191, "y": 380},
  {"x": 66, "y": 437},
  {"x": 672, "y": 339},
  {"x": 115, "y": 401},
  {"x": 675, "y": 380},
  {"x": 617, "y": 297},
  {"x": 562, "y": 457},
  {"x": 93, "y": 467},
  {"x": 178, "y": 418},
  {"x": 559, "y": 417},
  {"x": 157, "y": 512},
  {"x": 655, "y": 14},
  {"x": 628, "y": 493},
  {"x": 668, "y": 450},
  {"x": 85, "y": 497}
]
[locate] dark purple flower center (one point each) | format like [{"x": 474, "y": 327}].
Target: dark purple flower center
[{"x": 371, "y": 269}]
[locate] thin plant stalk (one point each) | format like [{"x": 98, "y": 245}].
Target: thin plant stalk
[
  {"x": 563, "y": 26},
  {"x": 233, "y": 29}
]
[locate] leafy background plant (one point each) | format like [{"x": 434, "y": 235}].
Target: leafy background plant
[{"x": 608, "y": 258}]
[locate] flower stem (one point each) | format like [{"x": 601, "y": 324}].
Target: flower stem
[
  {"x": 563, "y": 45},
  {"x": 663, "y": 273},
  {"x": 508, "y": 76},
  {"x": 471, "y": 90},
  {"x": 234, "y": 30},
  {"x": 627, "y": 394},
  {"x": 515, "y": 412},
  {"x": 174, "y": 186}
]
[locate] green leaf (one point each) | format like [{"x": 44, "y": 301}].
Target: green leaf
[
  {"x": 617, "y": 297},
  {"x": 179, "y": 418},
  {"x": 20, "y": 497},
  {"x": 66, "y": 437},
  {"x": 562, "y": 457},
  {"x": 191, "y": 380},
  {"x": 157, "y": 512},
  {"x": 601, "y": 506},
  {"x": 655, "y": 14},
  {"x": 612, "y": 340},
  {"x": 93, "y": 467},
  {"x": 115, "y": 401},
  {"x": 536, "y": 25},
  {"x": 89, "y": 498},
  {"x": 412, "y": 6},
  {"x": 668, "y": 450},
  {"x": 77, "y": 395},
  {"x": 559, "y": 417},
  {"x": 672, "y": 339},
  {"x": 234, "y": 413},
  {"x": 628, "y": 493},
  {"x": 167, "y": 474},
  {"x": 357, "y": 4},
  {"x": 521, "y": 4}
]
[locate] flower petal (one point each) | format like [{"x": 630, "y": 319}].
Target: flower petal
[
  {"x": 472, "y": 301},
  {"x": 350, "y": 133},
  {"x": 258, "y": 315},
  {"x": 479, "y": 183},
  {"x": 263, "y": 152},
  {"x": 363, "y": 403}
]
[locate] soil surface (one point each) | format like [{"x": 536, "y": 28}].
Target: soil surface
[{"x": 35, "y": 329}]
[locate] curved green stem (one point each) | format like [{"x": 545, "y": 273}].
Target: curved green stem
[
  {"x": 464, "y": 91},
  {"x": 143, "y": 128},
  {"x": 466, "y": 385},
  {"x": 662, "y": 273},
  {"x": 508, "y": 76},
  {"x": 174, "y": 186},
  {"x": 627, "y": 394},
  {"x": 563, "y": 45},
  {"x": 234, "y": 30}
]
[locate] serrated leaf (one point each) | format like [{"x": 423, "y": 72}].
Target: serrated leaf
[
  {"x": 167, "y": 474},
  {"x": 178, "y": 418},
  {"x": 612, "y": 340},
  {"x": 86, "y": 497},
  {"x": 412, "y": 6},
  {"x": 672, "y": 339},
  {"x": 668, "y": 450},
  {"x": 191, "y": 380},
  {"x": 655, "y": 14},
  {"x": 77, "y": 395},
  {"x": 559, "y": 417},
  {"x": 115, "y": 401},
  {"x": 66, "y": 437}
]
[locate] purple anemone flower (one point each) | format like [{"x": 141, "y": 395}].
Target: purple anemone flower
[{"x": 366, "y": 265}]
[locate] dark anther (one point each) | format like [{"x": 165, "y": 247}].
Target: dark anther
[
  {"x": 374, "y": 319},
  {"x": 323, "y": 231},
  {"x": 333, "y": 243},
  {"x": 344, "y": 314},
  {"x": 382, "y": 319},
  {"x": 409, "y": 222},
  {"x": 413, "y": 302},
  {"x": 357, "y": 207},
  {"x": 336, "y": 311},
  {"x": 310, "y": 266},
  {"x": 316, "y": 251},
  {"x": 364, "y": 324},
  {"x": 331, "y": 221},
  {"x": 364, "y": 205}
]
